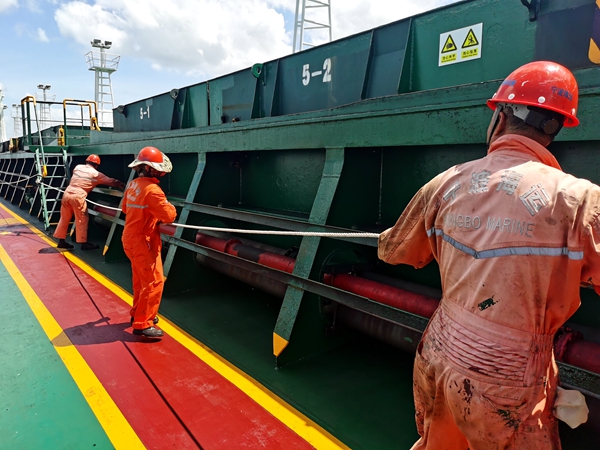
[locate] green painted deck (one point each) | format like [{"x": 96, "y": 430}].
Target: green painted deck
[{"x": 41, "y": 407}]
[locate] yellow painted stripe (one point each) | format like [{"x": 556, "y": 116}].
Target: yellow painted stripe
[
  {"x": 284, "y": 412},
  {"x": 108, "y": 414},
  {"x": 8, "y": 221},
  {"x": 293, "y": 419},
  {"x": 594, "y": 52}
]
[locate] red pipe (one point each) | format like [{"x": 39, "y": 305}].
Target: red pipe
[
  {"x": 418, "y": 304},
  {"x": 584, "y": 354},
  {"x": 569, "y": 347},
  {"x": 236, "y": 248},
  {"x": 105, "y": 210},
  {"x": 215, "y": 243},
  {"x": 166, "y": 228}
]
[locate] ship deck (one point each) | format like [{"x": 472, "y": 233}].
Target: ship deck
[{"x": 74, "y": 375}]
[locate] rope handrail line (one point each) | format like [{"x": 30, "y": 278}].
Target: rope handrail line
[
  {"x": 18, "y": 181},
  {"x": 240, "y": 231}
]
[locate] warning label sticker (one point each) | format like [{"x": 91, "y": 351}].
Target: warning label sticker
[
  {"x": 471, "y": 38},
  {"x": 449, "y": 46}
]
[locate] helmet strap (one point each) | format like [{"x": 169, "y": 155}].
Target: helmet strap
[
  {"x": 541, "y": 119},
  {"x": 149, "y": 171},
  {"x": 495, "y": 120}
]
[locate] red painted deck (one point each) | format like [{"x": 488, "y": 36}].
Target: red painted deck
[{"x": 171, "y": 398}]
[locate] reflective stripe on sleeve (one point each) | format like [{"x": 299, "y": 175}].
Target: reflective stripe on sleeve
[{"x": 508, "y": 251}]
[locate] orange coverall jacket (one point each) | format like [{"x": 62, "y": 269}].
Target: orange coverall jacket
[
  {"x": 83, "y": 180},
  {"x": 145, "y": 205},
  {"x": 514, "y": 238}
]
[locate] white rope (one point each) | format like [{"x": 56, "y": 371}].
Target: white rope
[
  {"x": 281, "y": 233},
  {"x": 235, "y": 230},
  {"x": 18, "y": 181},
  {"x": 87, "y": 199}
]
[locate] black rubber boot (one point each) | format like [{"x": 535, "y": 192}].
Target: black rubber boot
[
  {"x": 150, "y": 332},
  {"x": 154, "y": 321},
  {"x": 88, "y": 246},
  {"x": 63, "y": 244}
]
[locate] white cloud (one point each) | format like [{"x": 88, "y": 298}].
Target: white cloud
[
  {"x": 353, "y": 16},
  {"x": 207, "y": 38},
  {"x": 41, "y": 35},
  {"x": 5, "y": 5}
]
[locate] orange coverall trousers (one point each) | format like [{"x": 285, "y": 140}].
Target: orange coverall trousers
[
  {"x": 73, "y": 203},
  {"x": 148, "y": 279},
  {"x": 448, "y": 395}
]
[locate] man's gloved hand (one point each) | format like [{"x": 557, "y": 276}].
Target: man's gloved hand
[{"x": 121, "y": 185}]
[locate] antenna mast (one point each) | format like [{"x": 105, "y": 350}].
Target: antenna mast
[
  {"x": 311, "y": 15},
  {"x": 103, "y": 65},
  {"x": 2, "y": 126}
]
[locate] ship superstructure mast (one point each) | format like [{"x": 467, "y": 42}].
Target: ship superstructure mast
[
  {"x": 44, "y": 108},
  {"x": 103, "y": 65},
  {"x": 2, "y": 126},
  {"x": 16, "y": 116},
  {"x": 313, "y": 16}
]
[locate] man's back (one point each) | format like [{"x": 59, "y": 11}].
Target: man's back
[
  {"x": 145, "y": 204},
  {"x": 85, "y": 178},
  {"x": 512, "y": 238}
]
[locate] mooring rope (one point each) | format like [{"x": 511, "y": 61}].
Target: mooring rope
[
  {"x": 18, "y": 181},
  {"x": 240, "y": 231}
]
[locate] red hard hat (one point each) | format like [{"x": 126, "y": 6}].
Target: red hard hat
[
  {"x": 544, "y": 84},
  {"x": 95, "y": 159},
  {"x": 154, "y": 158}
]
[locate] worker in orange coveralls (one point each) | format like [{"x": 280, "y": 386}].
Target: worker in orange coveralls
[
  {"x": 145, "y": 205},
  {"x": 85, "y": 177},
  {"x": 514, "y": 237}
]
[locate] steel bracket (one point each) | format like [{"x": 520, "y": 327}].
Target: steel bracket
[{"x": 533, "y": 7}]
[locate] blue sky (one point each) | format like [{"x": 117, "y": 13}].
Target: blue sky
[{"x": 163, "y": 44}]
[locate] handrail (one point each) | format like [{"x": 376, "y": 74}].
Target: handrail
[
  {"x": 81, "y": 104},
  {"x": 37, "y": 123},
  {"x": 93, "y": 117}
]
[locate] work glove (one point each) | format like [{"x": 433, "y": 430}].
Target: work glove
[{"x": 570, "y": 407}]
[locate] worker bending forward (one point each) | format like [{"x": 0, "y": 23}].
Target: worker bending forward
[
  {"x": 145, "y": 205},
  {"x": 85, "y": 177},
  {"x": 514, "y": 237}
]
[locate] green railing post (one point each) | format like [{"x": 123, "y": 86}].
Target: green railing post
[
  {"x": 332, "y": 171},
  {"x": 185, "y": 210}
]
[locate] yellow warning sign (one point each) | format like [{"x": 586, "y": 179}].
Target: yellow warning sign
[
  {"x": 449, "y": 46},
  {"x": 470, "y": 40}
]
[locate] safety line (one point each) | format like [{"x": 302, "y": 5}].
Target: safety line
[
  {"x": 304, "y": 427},
  {"x": 240, "y": 231},
  {"x": 118, "y": 430},
  {"x": 18, "y": 181}
]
